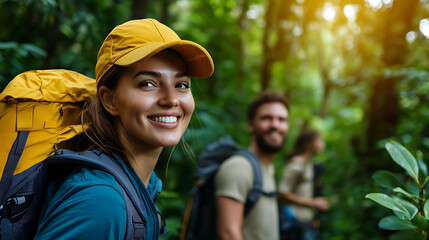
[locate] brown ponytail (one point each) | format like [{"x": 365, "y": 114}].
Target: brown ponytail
[{"x": 102, "y": 131}]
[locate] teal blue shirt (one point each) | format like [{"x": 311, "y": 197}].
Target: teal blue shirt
[{"x": 89, "y": 205}]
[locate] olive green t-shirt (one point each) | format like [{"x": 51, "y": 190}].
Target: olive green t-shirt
[{"x": 235, "y": 179}]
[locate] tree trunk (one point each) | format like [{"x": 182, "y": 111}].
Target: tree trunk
[
  {"x": 267, "y": 62},
  {"x": 53, "y": 38},
  {"x": 139, "y": 9},
  {"x": 165, "y": 15},
  {"x": 384, "y": 108},
  {"x": 277, "y": 14},
  {"x": 326, "y": 91},
  {"x": 242, "y": 22},
  {"x": 324, "y": 72}
]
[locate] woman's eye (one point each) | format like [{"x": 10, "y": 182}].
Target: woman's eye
[
  {"x": 146, "y": 84},
  {"x": 183, "y": 85}
]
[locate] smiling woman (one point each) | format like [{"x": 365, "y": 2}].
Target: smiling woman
[
  {"x": 150, "y": 94},
  {"x": 143, "y": 103}
]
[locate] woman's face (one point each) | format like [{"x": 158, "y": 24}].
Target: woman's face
[
  {"x": 318, "y": 144},
  {"x": 153, "y": 102}
]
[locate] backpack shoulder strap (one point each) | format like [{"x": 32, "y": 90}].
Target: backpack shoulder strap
[
  {"x": 99, "y": 160},
  {"x": 11, "y": 163},
  {"x": 257, "y": 190}
]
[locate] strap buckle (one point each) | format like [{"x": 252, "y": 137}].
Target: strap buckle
[
  {"x": 5, "y": 205},
  {"x": 15, "y": 200}
]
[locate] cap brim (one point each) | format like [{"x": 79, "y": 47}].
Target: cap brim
[{"x": 197, "y": 59}]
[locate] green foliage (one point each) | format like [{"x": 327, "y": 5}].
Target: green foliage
[
  {"x": 411, "y": 209},
  {"x": 13, "y": 58},
  {"x": 320, "y": 65},
  {"x": 54, "y": 34}
]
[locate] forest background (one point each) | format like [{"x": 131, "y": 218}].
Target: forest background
[{"x": 357, "y": 71}]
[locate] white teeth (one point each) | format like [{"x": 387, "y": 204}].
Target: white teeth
[{"x": 165, "y": 119}]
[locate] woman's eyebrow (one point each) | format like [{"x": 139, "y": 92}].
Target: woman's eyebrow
[
  {"x": 150, "y": 73},
  {"x": 180, "y": 75},
  {"x": 158, "y": 75}
]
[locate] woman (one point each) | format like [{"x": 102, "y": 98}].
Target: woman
[
  {"x": 297, "y": 184},
  {"x": 143, "y": 103}
]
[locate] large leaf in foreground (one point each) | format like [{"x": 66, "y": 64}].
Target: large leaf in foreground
[
  {"x": 403, "y": 158},
  {"x": 388, "y": 180},
  {"x": 395, "y": 223},
  {"x": 388, "y": 202}
]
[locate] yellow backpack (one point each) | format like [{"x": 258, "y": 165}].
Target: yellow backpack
[
  {"x": 38, "y": 110},
  {"x": 45, "y": 103}
]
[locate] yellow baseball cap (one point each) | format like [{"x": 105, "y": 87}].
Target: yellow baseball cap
[{"x": 135, "y": 40}]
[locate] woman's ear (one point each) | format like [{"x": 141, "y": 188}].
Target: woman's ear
[
  {"x": 106, "y": 98},
  {"x": 250, "y": 125}
]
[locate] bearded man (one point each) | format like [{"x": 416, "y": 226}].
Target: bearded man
[{"x": 267, "y": 121}]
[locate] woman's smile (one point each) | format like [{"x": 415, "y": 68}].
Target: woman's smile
[{"x": 167, "y": 121}]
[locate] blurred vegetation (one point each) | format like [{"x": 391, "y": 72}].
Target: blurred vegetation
[{"x": 354, "y": 70}]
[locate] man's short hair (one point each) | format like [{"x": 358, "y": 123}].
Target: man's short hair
[{"x": 267, "y": 96}]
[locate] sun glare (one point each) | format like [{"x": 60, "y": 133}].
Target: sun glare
[
  {"x": 297, "y": 31},
  {"x": 254, "y": 11},
  {"x": 387, "y": 2},
  {"x": 375, "y": 3},
  {"x": 411, "y": 36},
  {"x": 424, "y": 27},
  {"x": 328, "y": 12},
  {"x": 350, "y": 11}
]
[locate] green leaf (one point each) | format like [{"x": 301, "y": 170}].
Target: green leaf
[
  {"x": 426, "y": 209},
  {"x": 395, "y": 223},
  {"x": 388, "y": 202},
  {"x": 34, "y": 49},
  {"x": 52, "y": 3},
  {"x": 410, "y": 207},
  {"x": 401, "y": 215},
  {"x": 8, "y": 45},
  {"x": 67, "y": 30},
  {"x": 407, "y": 234},
  {"x": 425, "y": 182},
  {"x": 388, "y": 179},
  {"x": 413, "y": 188},
  {"x": 403, "y": 158},
  {"x": 400, "y": 190},
  {"x": 423, "y": 167}
]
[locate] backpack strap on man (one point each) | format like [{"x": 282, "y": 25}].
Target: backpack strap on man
[
  {"x": 99, "y": 160},
  {"x": 257, "y": 190}
]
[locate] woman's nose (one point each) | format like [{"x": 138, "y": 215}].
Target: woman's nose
[{"x": 168, "y": 98}]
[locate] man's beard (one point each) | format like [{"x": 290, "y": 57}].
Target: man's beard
[{"x": 266, "y": 147}]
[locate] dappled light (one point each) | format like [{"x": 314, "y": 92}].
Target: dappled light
[
  {"x": 350, "y": 11},
  {"x": 328, "y": 12},
  {"x": 411, "y": 36},
  {"x": 377, "y": 4},
  {"x": 424, "y": 27}
]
